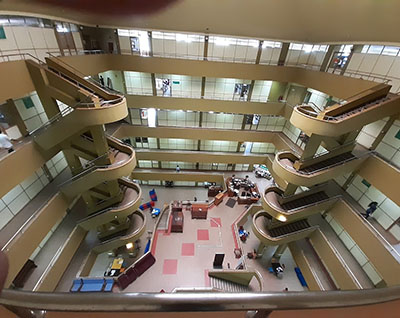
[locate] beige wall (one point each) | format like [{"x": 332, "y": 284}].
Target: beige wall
[
  {"x": 204, "y": 157},
  {"x": 205, "y": 105},
  {"x": 336, "y": 85},
  {"x": 19, "y": 165},
  {"x": 15, "y": 81},
  {"x": 196, "y": 133}
]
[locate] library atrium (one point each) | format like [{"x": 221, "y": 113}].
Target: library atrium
[{"x": 199, "y": 159}]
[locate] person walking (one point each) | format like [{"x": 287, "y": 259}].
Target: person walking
[
  {"x": 5, "y": 142},
  {"x": 178, "y": 169},
  {"x": 371, "y": 209}
]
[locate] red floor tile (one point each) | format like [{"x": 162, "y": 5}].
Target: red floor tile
[
  {"x": 170, "y": 266},
  {"x": 215, "y": 222},
  {"x": 187, "y": 249},
  {"x": 202, "y": 235}
]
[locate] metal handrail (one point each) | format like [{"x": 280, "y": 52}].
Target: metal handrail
[
  {"x": 199, "y": 302},
  {"x": 52, "y": 120}
]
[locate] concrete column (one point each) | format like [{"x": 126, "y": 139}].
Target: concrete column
[
  {"x": 150, "y": 35},
  {"x": 383, "y": 132},
  {"x": 280, "y": 250},
  {"x": 283, "y": 54},
  {"x": 153, "y": 84},
  {"x": 290, "y": 189},
  {"x": 259, "y": 52},
  {"x": 205, "y": 53},
  {"x": 312, "y": 146},
  {"x": 260, "y": 249},
  {"x": 327, "y": 58}
]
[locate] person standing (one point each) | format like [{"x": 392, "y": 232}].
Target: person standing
[
  {"x": 5, "y": 142},
  {"x": 178, "y": 169},
  {"x": 102, "y": 80},
  {"x": 371, "y": 208}
]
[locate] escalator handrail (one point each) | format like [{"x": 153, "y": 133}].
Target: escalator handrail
[
  {"x": 304, "y": 206},
  {"x": 276, "y": 238},
  {"x": 329, "y": 166}
]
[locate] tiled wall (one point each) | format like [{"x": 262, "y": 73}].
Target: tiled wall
[
  {"x": 28, "y": 39},
  {"x": 223, "y": 88},
  {"x": 377, "y": 62},
  {"x": 124, "y": 37},
  {"x": 232, "y": 49},
  {"x": 14, "y": 201},
  {"x": 270, "y": 123},
  {"x": 292, "y": 132},
  {"x": 358, "y": 254},
  {"x": 263, "y": 147},
  {"x": 261, "y": 91},
  {"x": 306, "y": 54},
  {"x": 270, "y": 52},
  {"x": 181, "y": 85},
  {"x": 178, "y": 144},
  {"x": 57, "y": 164},
  {"x": 17, "y": 198},
  {"x": 31, "y": 111},
  {"x": 318, "y": 98},
  {"x": 218, "y": 145},
  {"x": 178, "y": 45},
  {"x": 364, "y": 193},
  {"x": 138, "y": 83},
  {"x": 389, "y": 147},
  {"x": 117, "y": 80},
  {"x": 222, "y": 120},
  {"x": 178, "y": 118},
  {"x": 182, "y": 165}
]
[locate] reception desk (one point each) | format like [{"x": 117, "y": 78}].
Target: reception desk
[{"x": 199, "y": 211}]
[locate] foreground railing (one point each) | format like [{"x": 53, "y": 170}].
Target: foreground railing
[{"x": 266, "y": 302}]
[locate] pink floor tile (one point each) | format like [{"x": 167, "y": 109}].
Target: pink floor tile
[
  {"x": 187, "y": 249},
  {"x": 202, "y": 235},
  {"x": 170, "y": 266},
  {"x": 215, "y": 222}
]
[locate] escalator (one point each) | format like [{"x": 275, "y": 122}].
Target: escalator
[
  {"x": 117, "y": 237},
  {"x": 277, "y": 233},
  {"x": 122, "y": 162},
  {"x": 131, "y": 195},
  {"x": 88, "y": 103},
  {"x": 359, "y": 110},
  {"x": 296, "y": 206},
  {"x": 319, "y": 169}
]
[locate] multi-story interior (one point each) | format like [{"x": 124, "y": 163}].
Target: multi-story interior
[{"x": 151, "y": 157}]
